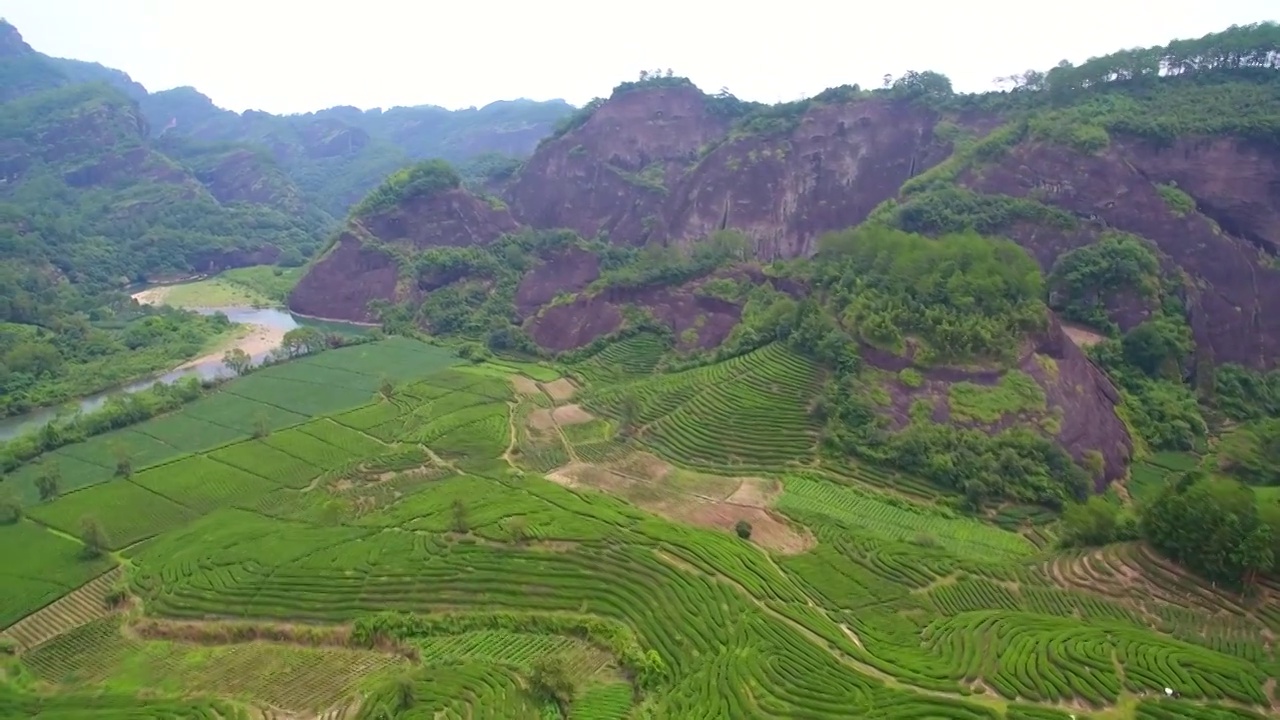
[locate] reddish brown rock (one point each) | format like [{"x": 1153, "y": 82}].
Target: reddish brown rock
[
  {"x": 785, "y": 191},
  {"x": 696, "y": 320},
  {"x": 344, "y": 281},
  {"x": 567, "y": 271},
  {"x": 1232, "y": 281},
  {"x": 613, "y": 173},
  {"x": 453, "y": 218}
]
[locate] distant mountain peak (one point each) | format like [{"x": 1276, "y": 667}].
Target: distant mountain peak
[{"x": 11, "y": 42}]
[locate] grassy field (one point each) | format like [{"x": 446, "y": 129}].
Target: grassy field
[
  {"x": 505, "y": 518},
  {"x": 212, "y": 293},
  {"x": 256, "y": 286}
]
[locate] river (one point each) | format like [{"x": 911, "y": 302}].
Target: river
[{"x": 271, "y": 319}]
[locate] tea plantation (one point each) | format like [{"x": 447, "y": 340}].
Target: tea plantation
[{"x": 497, "y": 540}]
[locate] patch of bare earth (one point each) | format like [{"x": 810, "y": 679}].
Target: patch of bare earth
[
  {"x": 1082, "y": 336},
  {"x": 560, "y": 390},
  {"x": 571, "y": 415},
  {"x": 524, "y": 385},
  {"x": 541, "y": 420},
  {"x": 658, "y": 488}
]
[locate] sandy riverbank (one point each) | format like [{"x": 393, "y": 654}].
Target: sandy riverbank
[
  {"x": 253, "y": 339},
  {"x": 151, "y": 296}
]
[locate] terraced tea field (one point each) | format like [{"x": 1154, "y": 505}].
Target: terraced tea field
[{"x": 403, "y": 555}]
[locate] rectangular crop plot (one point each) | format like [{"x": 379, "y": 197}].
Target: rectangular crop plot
[
  {"x": 307, "y": 370},
  {"x": 188, "y": 433},
  {"x": 47, "y": 567},
  {"x": 240, "y": 413},
  {"x": 276, "y": 466},
  {"x": 353, "y": 441},
  {"x": 127, "y": 512},
  {"x": 308, "y": 448},
  {"x": 857, "y": 509},
  {"x": 395, "y": 358},
  {"x": 308, "y": 399},
  {"x": 369, "y": 416},
  {"x": 106, "y": 450},
  {"x": 202, "y": 484},
  {"x": 72, "y": 474}
]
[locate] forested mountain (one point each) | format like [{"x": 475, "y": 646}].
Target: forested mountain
[
  {"x": 103, "y": 184},
  {"x": 339, "y": 154},
  {"x": 1132, "y": 195}
]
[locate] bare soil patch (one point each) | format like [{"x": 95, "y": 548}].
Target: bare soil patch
[
  {"x": 642, "y": 466},
  {"x": 541, "y": 420},
  {"x": 658, "y": 488},
  {"x": 524, "y": 385},
  {"x": 754, "y": 492},
  {"x": 560, "y": 390},
  {"x": 1082, "y": 336},
  {"x": 571, "y": 415}
]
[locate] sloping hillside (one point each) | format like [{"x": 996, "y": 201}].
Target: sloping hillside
[{"x": 1135, "y": 185}]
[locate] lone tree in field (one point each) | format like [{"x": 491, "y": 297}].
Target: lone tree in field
[
  {"x": 460, "y": 524},
  {"x": 551, "y": 681},
  {"x": 93, "y": 537},
  {"x": 743, "y": 528},
  {"x": 237, "y": 361},
  {"x": 48, "y": 481},
  {"x": 518, "y": 527},
  {"x": 10, "y": 509},
  {"x": 386, "y": 389},
  {"x": 261, "y": 428},
  {"x": 124, "y": 466}
]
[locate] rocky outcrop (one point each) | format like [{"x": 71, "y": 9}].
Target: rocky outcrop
[
  {"x": 698, "y": 321},
  {"x": 568, "y": 271},
  {"x": 1233, "y": 282},
  {"x": 1083, "y": 400},
  {"x": 612, "y": 175},
  {"x": 356, "y": 271},
  {"x": 451, "y": 218},
  {"x": 345, "y": 280},
  {"x": 784, "y": 191}
]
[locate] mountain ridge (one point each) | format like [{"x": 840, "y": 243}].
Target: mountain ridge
[{"x": 1119, "y": 157}]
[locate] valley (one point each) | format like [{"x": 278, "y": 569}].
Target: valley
[{"x": 888, "y": 403}]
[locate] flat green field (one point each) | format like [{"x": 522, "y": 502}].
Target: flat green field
[
  {"x": 442, "y": 548},
  {"x": 213, "y": 293}
]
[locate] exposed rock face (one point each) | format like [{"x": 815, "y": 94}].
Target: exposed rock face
[
  {"x": 698, "y": 321},
  {"x": 1235, "y": 182},
  {"x": 452, "y": 218},
  {"x": 568, "y": 271},
  {"x": 610, "y": 175},
  {"x": 785, "y": 191},
  {"x": 1085, "y": 401},
  {"x": 1233, "y": 283},
  {"x": 341, "y": 285},
  {"x": 635, "y": 172},
  {"x": 1078, "y": 397}
]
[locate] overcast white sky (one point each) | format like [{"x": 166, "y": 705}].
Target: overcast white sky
[{"x": 294, "y": 56}]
